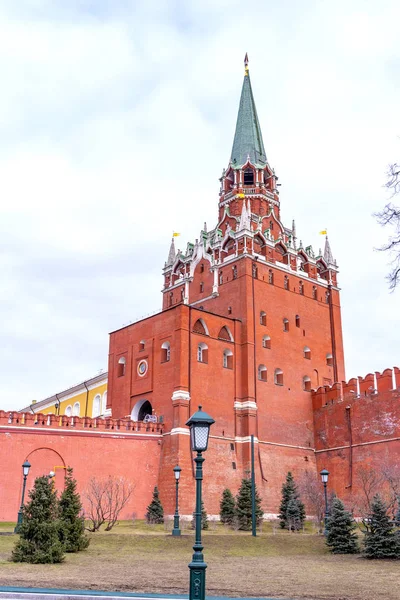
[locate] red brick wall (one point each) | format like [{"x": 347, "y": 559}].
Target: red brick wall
[
  {"x": 92, "y": 452},
  {"x": 357, "y": 429}
]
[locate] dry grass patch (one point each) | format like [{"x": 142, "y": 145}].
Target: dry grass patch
[{"x": 141, "y": 559}]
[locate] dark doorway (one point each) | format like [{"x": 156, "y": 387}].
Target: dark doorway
[{"x": 144, "y": 410}]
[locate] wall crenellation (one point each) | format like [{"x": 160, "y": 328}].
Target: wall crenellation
[
  {"x": 46, "y": 421},
  {"x": 372, "y": 385}
]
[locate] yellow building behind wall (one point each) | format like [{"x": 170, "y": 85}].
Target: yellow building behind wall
[{"x": 87, "y": 399}]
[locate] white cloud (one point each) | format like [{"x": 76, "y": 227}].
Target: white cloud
[{"x": 115, "y": 122}]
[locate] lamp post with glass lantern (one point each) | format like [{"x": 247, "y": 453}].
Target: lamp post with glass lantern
[
  {"x": 199, "y": 425},
  {"x": 324, "y": 476},
  {"x": 177, "y": 473},
  {"x": 25, "y": 471}
]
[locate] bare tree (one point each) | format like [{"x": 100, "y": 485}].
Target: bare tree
[
  {"x": 105, "y": 500},
  {"x": 390, "y": 215},
  {"x": 391, "y": 474},
  {"x": 309, "y": 486},
  {"x": 118, "y": 492},
  {"x": 95, "y": 504},
  {"x": 370, "y": 483}
]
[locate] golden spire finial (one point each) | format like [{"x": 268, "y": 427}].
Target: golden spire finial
[{"x": 246, "y": 64}]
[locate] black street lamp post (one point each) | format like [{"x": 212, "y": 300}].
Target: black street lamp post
[
  {"x": 199, "y": 424},
  {"x": 25, "y": 470},
  {"x": 177, "y": 473},
  {"x": 324, "y": 476}
]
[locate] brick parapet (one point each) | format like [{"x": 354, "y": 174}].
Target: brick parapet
[
  {"x": 373, "y": 385},
  {"x": 43, "y": 421}
]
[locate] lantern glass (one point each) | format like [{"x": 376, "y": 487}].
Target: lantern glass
[
  {"x": 177, "y": 472},
  {"x": 25, "y": 468},
  {"x": 324, "y": 475},
  {"x": 199, "y": 435}
]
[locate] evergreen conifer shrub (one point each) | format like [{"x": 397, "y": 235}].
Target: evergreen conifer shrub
[
  {"x": 291, "y": 495},
  {"x": 204, "y": 518},
  {"x": 293, "y": 515},
  {"x": 72, "y": 531},
  {"x": 397, "y": 516},
  {"x": 381, "y": 541},
  {"x": 341, "y": 536},
  {"x": 243, "y": 506},
  {"x": 39, "y": 540},
  {"x": 155, "y": 511},
  {"x": 227, "y": 511}
]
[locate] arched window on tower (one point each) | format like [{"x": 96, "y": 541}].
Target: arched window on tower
[
  {"x": 248, "y": 177},
  {"x": 76, "y": 410},
  {"x": 165, "y": 352},
  {"x": 329, "y": 360},
  {"x": 201, "y": 287},
  {"x": 266, "y": 342},
  {"x": 327, "y": 296},
  {"x": 297, "y": 321},
  {"x": 285, "y": 325},
  {"x": 225, "y": 334},
  {"x": 255, "y": 271},
  {"x": 278, "y": 377},
  {"x": 121, "y": 367},
  {"x": 271, "y": 277},
  {"x": 262, "y": 373},
  {"x": 306, "y": 384},
  {"x": 301, "y": 288},
  {"x": 263, "y": 318},
  {"x": 286, "y": 282},
  {"x": 228, "y": 359},
  {"x": 200, "y": 327},
  {"x": 234, "y": 272},
  {"x": 171, "y": 298},
  {"x": 314, "y": 292},
  {"x": 220, "y": 278},
  {"x": 202, "y": 353},
  {"x": 307, "y": 352},
  {"x": 142, "y": 345}
]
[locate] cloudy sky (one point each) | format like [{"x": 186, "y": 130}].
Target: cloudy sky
[{"x": 116, "y": 119}]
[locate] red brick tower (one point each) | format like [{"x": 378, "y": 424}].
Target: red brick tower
[{"x": 250, "y": 324}]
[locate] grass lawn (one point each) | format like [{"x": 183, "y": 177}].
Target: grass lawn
[{"x": 139, "y": 558}]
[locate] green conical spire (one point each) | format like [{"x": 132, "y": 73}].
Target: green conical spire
[{"x": 248, "y": 140}]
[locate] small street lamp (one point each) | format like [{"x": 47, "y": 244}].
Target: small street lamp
[
  {"x": 25, "y": 471},
  {"x": 177, "y": 473},
  {"x": 324, "y": 476},
  {"x": 199, "y": 424}
]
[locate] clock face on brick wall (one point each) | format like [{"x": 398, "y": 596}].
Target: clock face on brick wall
[{"x": 142, "y": 368}]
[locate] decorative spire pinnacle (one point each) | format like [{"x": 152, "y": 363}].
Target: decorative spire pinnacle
[
  {"x": 244, "y": 218},
  {"x": 328, "y": 256},
  {"x": 171, "y": 254},
  {"x": 248, "y": 143}
]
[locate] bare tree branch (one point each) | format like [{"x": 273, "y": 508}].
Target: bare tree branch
[
  {"x": 390, "y": 215},
  {"x": 309, "y": 486},
  {"x": 105, "y": 500},
  {"x": 118, "y": 492}
]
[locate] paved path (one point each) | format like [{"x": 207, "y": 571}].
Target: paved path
[{"x": 21, "y": 593}]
